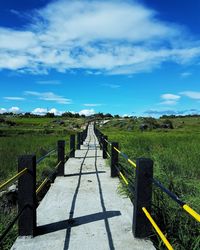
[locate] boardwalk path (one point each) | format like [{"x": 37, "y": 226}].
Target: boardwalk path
[{"x": 82, "y": 210}]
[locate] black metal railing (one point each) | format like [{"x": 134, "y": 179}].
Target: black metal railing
[
  {"x": 27, "y": 190},
  {"x": 141, "y": 189}
]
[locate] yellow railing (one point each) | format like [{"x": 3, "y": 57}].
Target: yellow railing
[
  {"x": 162, "y": 236},
  {"x": 12, "y": 179}
]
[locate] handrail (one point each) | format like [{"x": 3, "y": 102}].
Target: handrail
[
  {"x": 10, "y": 225},
  {"x": 162, "y": 236},
  {"x": 122, "y": 176},
  {"x": 30, "y": 182},
  {"x": 13, "y": 178},
  {"x": 126, "y": 157},
  {"x": 173, "y": 196},
  {"x": 108, "y": 154},
  {"x": 68, "y": 154},
  {"x": 42, "y": 185},
  {"x": 186, "y": 207},
  {"x": 47, "y": 154},
  {"x": 108, "y": 142},
  {"x": 57, "y": 164}
]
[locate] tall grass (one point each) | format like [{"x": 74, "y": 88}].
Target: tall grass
[
  {"x": 10, "y": 149},
  {"x": 176, "y": 159}
]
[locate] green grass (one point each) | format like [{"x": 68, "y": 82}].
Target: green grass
[
  {"x": 29, "y": 136},
  {"x": 176, "y": 156}
]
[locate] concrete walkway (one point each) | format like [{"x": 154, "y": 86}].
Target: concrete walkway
[{"x": 82, "y": 210}]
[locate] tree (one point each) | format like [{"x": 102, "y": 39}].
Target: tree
[{"x": 50, "y": 115}]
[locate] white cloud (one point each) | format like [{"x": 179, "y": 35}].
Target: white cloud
[
  {"x": 87, "y": 112},
  {"x": 49, "y": 82},
  {"x": 44, "y": 111},
  {"x": 55, "y": 111},
  {"x": 171, "y": 112},
  {"x": 169, "y": 102},
  {"x": 3, "y": 110},
  {"x": 14, "y": 98},
  {"x": 191, "y": 94},
  {"x": 49, "y": 96},
  {"x": 92, "y": 104},
  {"x": 170, "y": 97},
  {"x": 90, "y": 35},
  {"x": 14, "y": 110},
  {"x": 39, "y": 111}
]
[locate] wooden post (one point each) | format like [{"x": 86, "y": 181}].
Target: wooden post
[
  {"x": 61, "y": 157},
  {"x": 27, "y": 195},
  {"x": 72, "y": 146},
  {"x": 143, "y": 195},
  {"x": 114, "y": 159},
  {"x": 78, "y": 140},
  {"x": 105, "y": 146}
]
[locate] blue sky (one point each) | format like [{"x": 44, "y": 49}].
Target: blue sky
[{"x": 121, "y": 57}]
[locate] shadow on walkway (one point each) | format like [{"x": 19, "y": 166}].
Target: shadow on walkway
[
  {"x": 56, "y": 226},
  {"x": 85, "y": 173}
]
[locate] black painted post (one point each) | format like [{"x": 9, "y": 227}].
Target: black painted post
[
  {"x": 27, "y": 195},
  {"x": 78, "y": 140},
  {"x": 105, "y": 146},
  {"x": 114, "y": 159},
  {"x": 143, "y": 196},
  {"x": 85, "y": 134},
  {"x": 101, "y": 140},
  {"x": 61, "y": 157},
  {"x": 82, "y": 137},
  {"x": 72, "y": 146}
]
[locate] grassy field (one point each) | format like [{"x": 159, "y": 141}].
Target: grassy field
[
  {"x": 19, "y": 136},
  {"x": 176, "y": 156},
  {"x": 175, "y": 153}
]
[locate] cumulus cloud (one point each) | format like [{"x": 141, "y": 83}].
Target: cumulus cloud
[
  {"x": 55, "y": 111},
  {"x": 90, "y": 35},
  {"x": 39, "y": 111},
  {"x": 14, "y": 110},
  {"x": 87, "y": 112},
  {"x": 3, "y": 110},
  {"x": 44, "y": 111},
  {"x": 49, "y": 96}
]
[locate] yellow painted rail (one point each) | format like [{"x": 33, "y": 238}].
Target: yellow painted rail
[
  {"x": 42, "y": 185},
  {"x": 12, "y": 179},
  {"x": 193, "y": 213},
  {"x": 57, "y": 164},
  {"x": 162, "y": 236},
  {"x": 126, "y": 157}
]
